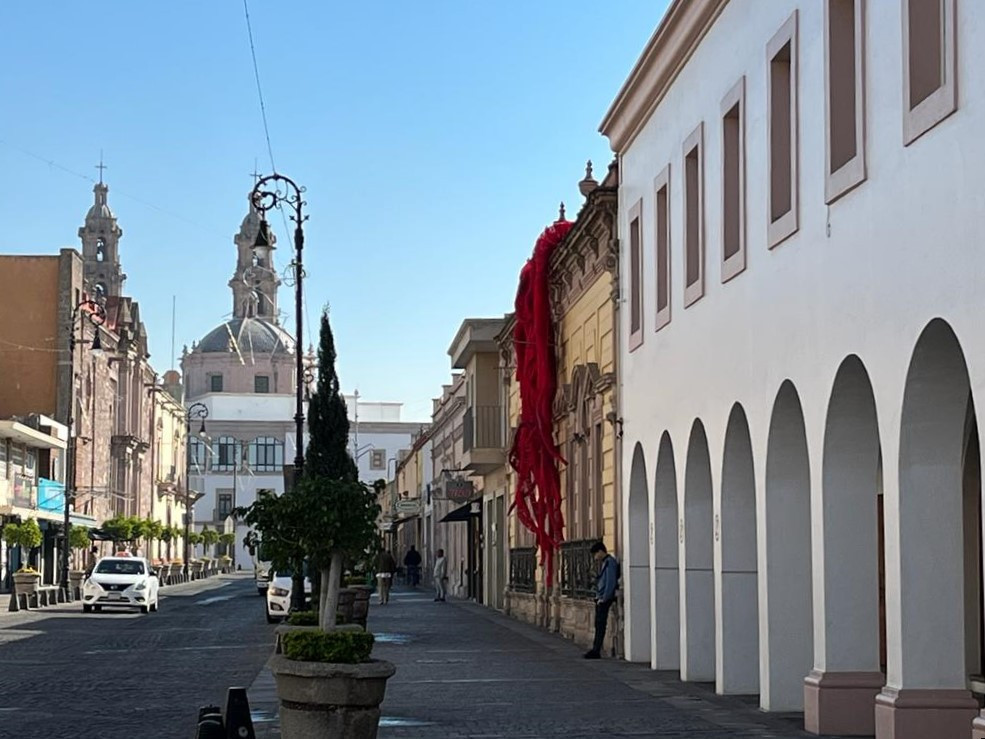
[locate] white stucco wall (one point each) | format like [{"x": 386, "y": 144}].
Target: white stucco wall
[{"x": 863, "y": 276}]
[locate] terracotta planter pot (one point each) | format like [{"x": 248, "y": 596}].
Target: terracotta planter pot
[
  {"x": 26, "y": 582},
  {"x": 320, "y": 699}
]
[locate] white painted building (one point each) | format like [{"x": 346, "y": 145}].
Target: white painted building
[
  {"x": 377, "y": 436},
  {"x": 801, "y": 204}
]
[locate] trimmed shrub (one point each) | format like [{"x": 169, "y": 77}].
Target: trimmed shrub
[
  {"x": 303, "y": 618},
  {"x": 348, "y": 647}
]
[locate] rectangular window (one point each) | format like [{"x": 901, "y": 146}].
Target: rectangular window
[
  {"x": 929, "y": 90},
  {"x": 261, "y": 384},
  {"x": 635, "y": 277},
  {"x": 844, "y": 96},
  {"x": 694, "y": 249},
  {"x": 598, "y": 497},
  {"x": 224, "y": 505},
  {"x": 733, "y": 182},
  {"x": 377, "y": 459},
  {"x": 215, "y": 383},
  {"x": 782, "y": 91},
  {"x": 661, "y": 222}
]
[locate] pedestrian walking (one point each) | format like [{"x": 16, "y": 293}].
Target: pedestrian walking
[
  {"x": 386, "y": 566},
  {"x": 412, "y": 561},
  {"x": 606, "y": 584},
  {"x": 440, "y": 576}
]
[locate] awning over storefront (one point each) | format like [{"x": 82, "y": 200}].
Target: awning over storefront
[
  {"x": 388, "y": 527},
  {"x": 24, "y": 434},
  {"x": 462, "y": 513},
  {"x": 77, "y": 519}
]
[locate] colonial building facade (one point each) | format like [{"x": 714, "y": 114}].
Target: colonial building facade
[
  {"x": 243, "y": 372},
  {"x": 584, "y": 288},
  {"x": 801, "y": 357}
]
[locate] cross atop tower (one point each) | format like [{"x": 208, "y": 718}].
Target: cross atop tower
[
  {"x": 256, "y": 175},
  {"x": 101, "y": 166}
]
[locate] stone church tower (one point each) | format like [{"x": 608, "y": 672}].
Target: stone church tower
[
  {"x": 101, "y": 247},
  {"x": 255, "y": 282}
]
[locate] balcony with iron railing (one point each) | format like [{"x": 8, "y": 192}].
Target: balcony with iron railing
[
  {"x": 482, "y": 438},
  {"x": 523, "y": 569},
  {"x": 578, "y": 569}
]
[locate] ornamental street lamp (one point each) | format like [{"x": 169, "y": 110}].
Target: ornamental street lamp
[
  {"x": 96, "y": 315},
  {"x": 275, "y": 191},
  {"x": 195, "y": 412}
]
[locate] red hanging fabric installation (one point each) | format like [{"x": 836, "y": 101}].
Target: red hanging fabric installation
[{"x": 534, "y": 455}]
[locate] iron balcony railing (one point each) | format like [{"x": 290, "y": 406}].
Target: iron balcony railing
[
  {"x": 482, "y": 427},
  {"x": 523, "y": 569},
  {"x": 578, "y": 569}
]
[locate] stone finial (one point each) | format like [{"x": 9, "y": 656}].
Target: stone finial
[
  {"x": 589, "y": 183},
  {"x": 560, "y": 216}
]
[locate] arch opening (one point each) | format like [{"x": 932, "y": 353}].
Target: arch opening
[
  {"x": 737, "y": 664},
  {"x": 666, "y": 591},
  {"x": 637, "y": 564},
  {"x": 698, "y": 592}
]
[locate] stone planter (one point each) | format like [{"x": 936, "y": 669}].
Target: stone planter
[
  {"x": 196, "y": 570},
  {"x": 227, "y": 564},
  {"x": 26, "y": 582},
  {"x": 360, "y": 604},
  {"x": 320, "y": 699},
  {"x": 347, "y": 598},
  {"x": 75, "y": 578}
]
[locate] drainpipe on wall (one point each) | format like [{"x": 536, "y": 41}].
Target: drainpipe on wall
[{"x": 619, "y": 641}]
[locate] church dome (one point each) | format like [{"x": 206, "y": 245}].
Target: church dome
[{"x": 248, "y": 336}]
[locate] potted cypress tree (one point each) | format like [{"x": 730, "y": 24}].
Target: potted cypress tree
[
  {"x": 327, "y": 683},
  {"x": 78, "y": 542},
  {"x": 26, "y": 536}
]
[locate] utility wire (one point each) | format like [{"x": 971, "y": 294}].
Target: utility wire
[
  {"x": 266, "y": 127},
  {"x": 256, "y": 76}
]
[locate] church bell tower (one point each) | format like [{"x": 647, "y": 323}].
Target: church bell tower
[{"x": 100, "y": 236}]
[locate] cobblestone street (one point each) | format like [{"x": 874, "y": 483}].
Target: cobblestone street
[
  {"x": 122, "y": 675},
  {"x": 466, "y": 671}
]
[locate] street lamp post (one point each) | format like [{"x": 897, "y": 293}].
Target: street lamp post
[
  {"x": 96, "y": 314},
  {"x": 274, "y": 191},
  {"x": 196, "y": 412}
]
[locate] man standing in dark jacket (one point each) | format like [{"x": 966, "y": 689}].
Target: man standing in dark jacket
[
  {"x": 605, "y": 595},
  {"x": 412, "y": 561}
]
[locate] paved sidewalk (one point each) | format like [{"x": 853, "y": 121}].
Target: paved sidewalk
[{"x": 467, "y": 671}]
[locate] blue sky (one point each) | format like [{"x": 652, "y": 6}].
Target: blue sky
[{"x": 435, "y": 140}]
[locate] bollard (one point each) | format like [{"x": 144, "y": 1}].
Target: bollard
[
  {"x": 210, "y": 724},
  {"x": 239, "y": 724}
]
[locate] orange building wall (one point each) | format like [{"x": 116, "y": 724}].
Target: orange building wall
[{"x": 28, "y": 318}]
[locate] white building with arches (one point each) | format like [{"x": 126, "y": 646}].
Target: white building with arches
[{"x": 801, "y": 205}]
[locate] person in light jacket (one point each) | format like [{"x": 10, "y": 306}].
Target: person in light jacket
[
  {"x": 605, "y": 595},
  {"x": 440, "y": 576}
]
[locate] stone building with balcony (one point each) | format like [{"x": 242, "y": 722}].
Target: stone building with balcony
[{"x": 584, "y": 295}]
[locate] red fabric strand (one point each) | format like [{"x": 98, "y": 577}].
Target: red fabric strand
[{"x": 534, "y": 455}]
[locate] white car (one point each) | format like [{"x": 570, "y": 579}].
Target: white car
[
  {"x": 279, "y": 596},
  {"x": 261, "y": 576},
  {"x": 121, "y": 582}
]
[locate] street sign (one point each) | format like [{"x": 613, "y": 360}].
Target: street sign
[
  {"x": 409, "y": 506},
  {"x": 459, "y": 490}
]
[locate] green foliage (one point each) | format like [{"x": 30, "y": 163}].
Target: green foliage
[
  {"x": 78, "y": 538},
  {"x": 120, "y": 528},
  {"x": 194, "y": 538},
  {"x": 26, "y": 535},
  {"x": 340, "y": 517},
  {"x": 227, "y": 539},
  {"x": 167, "y": 534},
  {"x": 209, "y": 536},
  {"x": 153, "y": 529},
  {"x": 278, "y": 519},
  {"x": 303, "y": 618},
  {"x": 328, "y": 421},
  {"x": 346, "y": 647}
]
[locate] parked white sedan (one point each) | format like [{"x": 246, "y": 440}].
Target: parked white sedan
[
  {"x": 279, "y": 595},
  {"x": 121, "y": 582}
]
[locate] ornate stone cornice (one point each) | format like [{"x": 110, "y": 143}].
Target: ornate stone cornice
[{"x": 588, "y": 251}]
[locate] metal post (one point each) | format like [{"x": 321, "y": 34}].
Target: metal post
[
  {"x": 196, "y": 411},
  {"x": 97, "y": 316}
]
